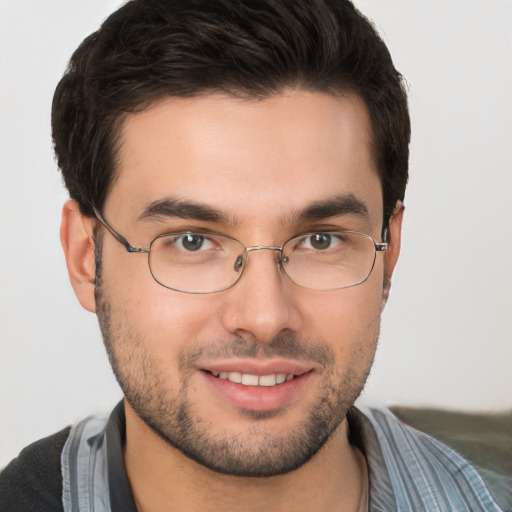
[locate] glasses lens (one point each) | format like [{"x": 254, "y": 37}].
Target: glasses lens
[
  {"x": 329, "y": 260},
  {"x": 195, "y": 262}
]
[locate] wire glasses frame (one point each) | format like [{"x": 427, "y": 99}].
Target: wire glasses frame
[{"x": 349, "y": 264}]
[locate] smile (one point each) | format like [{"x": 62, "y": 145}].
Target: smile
[
  {"x": 248, "y": 379},
  {"x": 263, "y": 386}
]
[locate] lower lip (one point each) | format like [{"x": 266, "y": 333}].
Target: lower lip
[{"x": 258, "y": 398}]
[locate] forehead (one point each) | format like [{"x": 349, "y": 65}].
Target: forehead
[{"x": 250, "y": 159}]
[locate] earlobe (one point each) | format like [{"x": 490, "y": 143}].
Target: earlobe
[{"x": 78, "y": 244}]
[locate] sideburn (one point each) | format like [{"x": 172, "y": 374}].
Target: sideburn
[{"x": 97, "y": 236}]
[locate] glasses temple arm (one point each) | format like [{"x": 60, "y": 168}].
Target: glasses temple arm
[{"x": 120, "y": 238}]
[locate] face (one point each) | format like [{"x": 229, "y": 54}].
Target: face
[{"x": 258, "y": 169}]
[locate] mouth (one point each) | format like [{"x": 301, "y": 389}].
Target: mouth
[
  {"x": 258, "y": 385},
  {"x": 248, "y": 379}
]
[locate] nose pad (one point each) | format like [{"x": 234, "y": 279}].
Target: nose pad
[{"x": 239, "y": 262}]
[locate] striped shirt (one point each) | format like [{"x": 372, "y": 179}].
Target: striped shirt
[
  {"x": 82, "y": 469},
  {"x": 411, "y": 471}
]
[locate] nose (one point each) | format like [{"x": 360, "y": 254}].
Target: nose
[{"x": 262, "y": 305}]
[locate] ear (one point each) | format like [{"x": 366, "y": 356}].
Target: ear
[
  {"x": 78, "y": 244},
  {"x": 395, "y": 236}
]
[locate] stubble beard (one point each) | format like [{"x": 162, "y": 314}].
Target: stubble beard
[{"x": 173, "y": 415}]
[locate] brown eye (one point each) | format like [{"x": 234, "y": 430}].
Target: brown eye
[
  {"x": 192, "y": 242},
  {"x": 320, "y": 241}
]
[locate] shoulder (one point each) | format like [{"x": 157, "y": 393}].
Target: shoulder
[
  {"x": 33, "y": 480},
  {"x": 483, "y": 439},
  {"x": 419, "y": 469}
]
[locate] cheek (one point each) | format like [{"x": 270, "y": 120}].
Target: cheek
[
  {"x": 347, "y": 319},
  {"x": 167, "y": 319},
  {"x": 365, "y": 308},
  {"x": 180, "y": 318}
]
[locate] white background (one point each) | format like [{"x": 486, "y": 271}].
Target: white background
[{"x": 447, "y": 332}]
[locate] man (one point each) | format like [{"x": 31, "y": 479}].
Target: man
[{"x": 237, "y": 173}]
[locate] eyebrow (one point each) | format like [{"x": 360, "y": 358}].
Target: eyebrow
[
  {"x": 336, "y": 206},
  {"x": 170, "y": 207},
  {"x": 174, "y": 207}
]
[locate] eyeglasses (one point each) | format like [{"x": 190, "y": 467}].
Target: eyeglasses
[{"x": 201, "y": 262}]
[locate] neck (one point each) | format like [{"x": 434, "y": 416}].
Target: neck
[{"x": 161, "y": 475}]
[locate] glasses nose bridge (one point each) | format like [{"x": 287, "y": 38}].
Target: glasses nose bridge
[
  {"x": 265, "y": 247},
  {"x": 260, "y": 247},
  {"x": 242, "y": 261}
]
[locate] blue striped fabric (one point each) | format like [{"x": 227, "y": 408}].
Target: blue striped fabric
[{"x": 413, "y": 472}]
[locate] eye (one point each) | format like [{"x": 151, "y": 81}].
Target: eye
[
  {"x": 192, "y": 242},
  {"x": 320, "y": 241}
]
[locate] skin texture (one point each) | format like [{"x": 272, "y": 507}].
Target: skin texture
[{"x": 257, "y": 164}]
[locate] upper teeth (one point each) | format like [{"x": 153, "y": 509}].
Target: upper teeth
[{"x": 248, "y": 379}]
